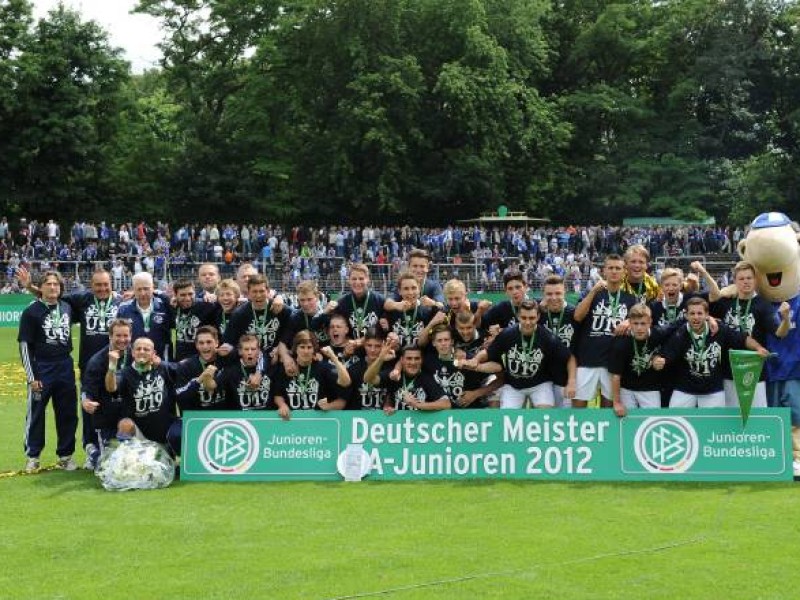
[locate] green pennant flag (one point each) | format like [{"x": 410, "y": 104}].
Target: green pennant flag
[{"x": 746, "y": 368}]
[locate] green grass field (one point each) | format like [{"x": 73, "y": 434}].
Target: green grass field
[{"x": 63, "y": 536}]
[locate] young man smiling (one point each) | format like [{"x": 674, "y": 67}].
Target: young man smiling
[
  {"x": 525, "y": 354},
  {"x": 697, "y": 353},
  {"x": 413, "y": 390},
  {"x": 600, "y": 312}
]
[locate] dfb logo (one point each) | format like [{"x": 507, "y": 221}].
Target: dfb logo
[
  {"x": 666, "y": 444},
  {"x": 228, "y": 446}
]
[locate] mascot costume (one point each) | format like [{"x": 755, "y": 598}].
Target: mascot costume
[{"x": 772, "y": 246}]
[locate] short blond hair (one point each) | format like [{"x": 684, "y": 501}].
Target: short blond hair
[
  {"x": 670, "y": 272},
  {"x": 743, "y": 265},
  {"x": 639, "y": 311},
  {"x": 454, "y": 286},
  {"x": 637, "y": 249},
  {"x": 229, "y": 285},
  {"x": 361, "y": 267},
  {"x": 307, "y": 287}
]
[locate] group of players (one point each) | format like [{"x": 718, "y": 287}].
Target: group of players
[{"x": 234, "y": 345}]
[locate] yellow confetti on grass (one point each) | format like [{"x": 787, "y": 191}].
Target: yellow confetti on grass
[{"x": 12, "y": 383}]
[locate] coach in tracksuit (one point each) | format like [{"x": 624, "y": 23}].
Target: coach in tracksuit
[{"x": 45, "y": 346}]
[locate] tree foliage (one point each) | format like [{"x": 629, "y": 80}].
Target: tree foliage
[
  {"x": 65, "y": 81},
  {"x": 418, "y": 110}
]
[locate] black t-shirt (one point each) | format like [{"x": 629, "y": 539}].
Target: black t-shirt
[
  {"x": 409, "y": 324},
  {"x": 422, "y": 386},
  {"x": 304, "y": 391},
  {"x": 316, "y": 324},
  {"x": 46, "y": 331},
  {"x": 186, "y": 323},
  {"x": 638, "y": 291},
  {"x": 361, "y": 313},
  {"x": 222, "y": 321},
  {"x": 453, "y": 381},
  {"x": 756, "y": 318},
  {"x": 631, "y": 360},
  {"x": 596, "y": 333},
  {"x": 361, "y": 395},
  {"x": 526, "y": 359},
  {"x": 503, "y": 314},
  {"x": 149, "y": 399},
  {"x": 232, "y": 380},
  {"x": 267, "y": 327},
  {"x": 95, "y": 317},
  {"x": 699, "y": 363},
  {"x": 190, "y": 394},
  {"x": 561, "y": 324}
]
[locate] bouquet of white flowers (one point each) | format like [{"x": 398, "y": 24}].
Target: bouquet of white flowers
[{"x": 136, "y": 465}]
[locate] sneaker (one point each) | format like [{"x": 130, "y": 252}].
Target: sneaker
[
  {"x": 66, "y": 463},
  {"x": 32, "y": 465},
  {"x": 92, "y": 454},
  {"x": 796, "y": 468}
]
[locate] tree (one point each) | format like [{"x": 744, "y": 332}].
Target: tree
[{"x": 67, "y": 88}]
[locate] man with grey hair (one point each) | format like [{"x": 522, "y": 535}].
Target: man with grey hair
[
  {"x": 243, "y": 274},
  {"x": 151, "y": 316}
]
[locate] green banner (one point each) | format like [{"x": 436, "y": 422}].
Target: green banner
[
  {"x": 11, "y": 307},
  {"x": 746, "y": 369},
  {"x": 585, "y": 445}
]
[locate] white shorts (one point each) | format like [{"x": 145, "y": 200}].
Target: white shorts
[
  {"x": 684, "y": 400},
  {"x": 732, "y": 399},
  {"x": 589, "y": 379},
  {"x": 540, "y": 395},
  {"x": 561, "y": 401},
  {"x": 637, "y": 399}
]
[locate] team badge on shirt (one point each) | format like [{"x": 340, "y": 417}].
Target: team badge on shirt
[
  {"x": 701, "y": 362},
  {"x": 149, "y": 394},
  {"x": 606, "y": 317},
  {"x": 371, "y": 397},
  {"x": 521, "y": 363},
  {"x": 452, "y": 383},
  {"x": 253, "y": 399},
  {"x": 98, "y": 319},
  {"x": 302, "y": 392},
  {"x": 186, "y": 327},
  {"x": 56, "y": 327},
  {"x": 266, "y": 332}
]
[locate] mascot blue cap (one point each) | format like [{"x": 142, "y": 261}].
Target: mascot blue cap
[{"x": 770, "y": 219}]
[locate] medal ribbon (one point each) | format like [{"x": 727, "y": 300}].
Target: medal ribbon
[
  {"x": 359, "y": 318},
  {"x": 741, "y": 316}
]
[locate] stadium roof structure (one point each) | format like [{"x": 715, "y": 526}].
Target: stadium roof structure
[
  {"x": 664, "y": 222},
  {"x": 503, "y": 215}
]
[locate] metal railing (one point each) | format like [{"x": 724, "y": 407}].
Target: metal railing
[
  {"x": 327, "y": 272},
  {"x": 331, "y": 278}
]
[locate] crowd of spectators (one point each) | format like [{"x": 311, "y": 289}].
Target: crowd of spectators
[{"x": 289, "y": 254}]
